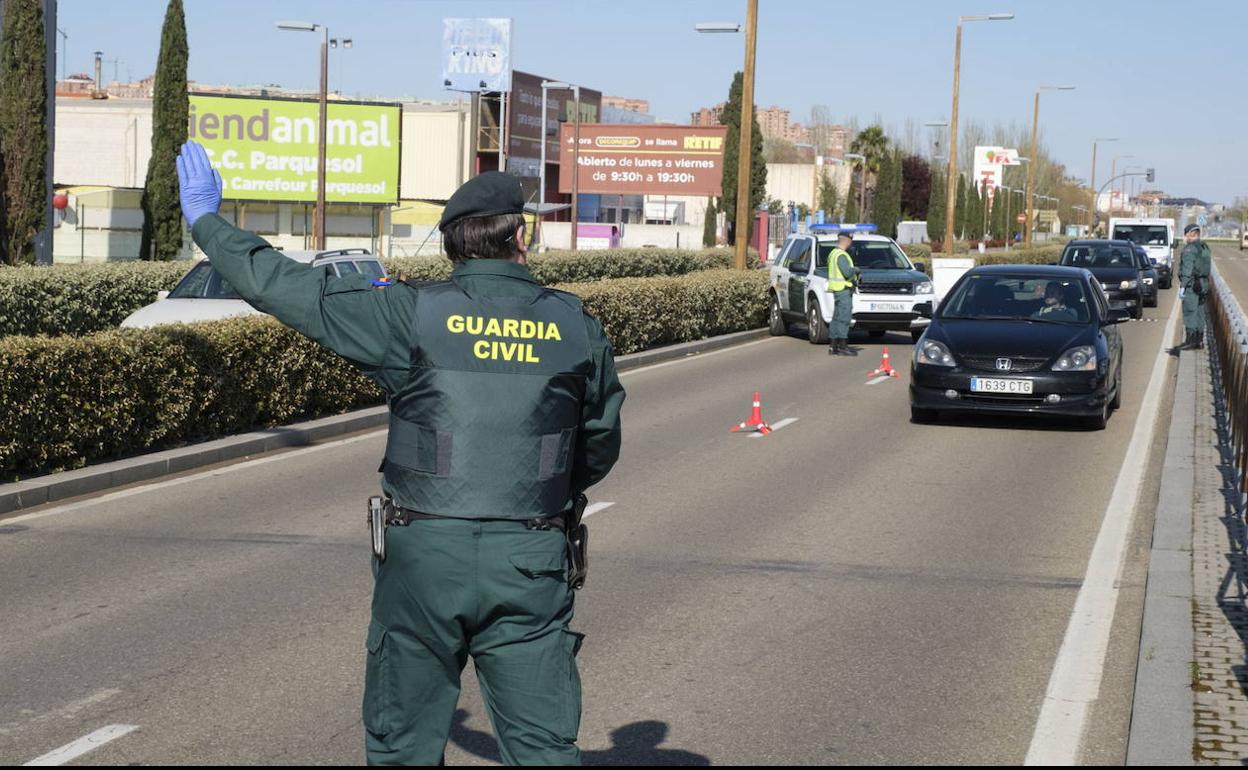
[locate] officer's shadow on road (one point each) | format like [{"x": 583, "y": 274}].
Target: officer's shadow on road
[
  {"x": 1232, "y": 595},
  {"x": 635, "y": 744}
]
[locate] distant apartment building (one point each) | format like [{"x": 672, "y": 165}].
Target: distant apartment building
[{"x": 707, "y": 116}]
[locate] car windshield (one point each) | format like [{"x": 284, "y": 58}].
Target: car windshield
[
  {"x": 1098, "y": 255},
  {"x": 203, "y": 283},
  {"x": 1018, "y": 298},
  {"x": 868, "y": 255},
  {"x": 1145, "y": 235}
]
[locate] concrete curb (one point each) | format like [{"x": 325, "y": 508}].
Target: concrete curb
[
  {"x": 1161, "y": 716},
  {"x": 95, "y": 478}
]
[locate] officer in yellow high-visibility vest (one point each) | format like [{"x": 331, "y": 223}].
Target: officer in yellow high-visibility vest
[{"x": 841, "y": 277}]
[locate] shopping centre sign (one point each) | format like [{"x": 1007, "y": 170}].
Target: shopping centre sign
[{"x": 266, "y": 149}]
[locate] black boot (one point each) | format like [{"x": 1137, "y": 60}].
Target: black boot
[
  {"x": 846, "y": 350},
  {"x": 1200, "y": 341},
  {"x": 1189, "y": 342}
]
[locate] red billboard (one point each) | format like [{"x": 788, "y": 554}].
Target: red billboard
[{"x": 631, "y": 159}]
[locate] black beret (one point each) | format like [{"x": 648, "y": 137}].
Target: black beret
[
  {"x": 487, "y": 195},
  {"x": 1190, "y": 228}
]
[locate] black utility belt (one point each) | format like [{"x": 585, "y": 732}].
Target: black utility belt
[{"x": 397, "y": 516}]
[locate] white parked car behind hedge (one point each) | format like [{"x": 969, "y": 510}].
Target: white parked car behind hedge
[{"x": 203, "y": 295}]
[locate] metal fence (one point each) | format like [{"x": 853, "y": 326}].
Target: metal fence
[{"x": 1229, "y": 339}]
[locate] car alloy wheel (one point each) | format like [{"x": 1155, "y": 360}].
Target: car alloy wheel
[{"x": 775, "y": 322}]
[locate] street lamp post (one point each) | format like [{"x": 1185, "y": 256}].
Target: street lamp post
[
  {"x": 1092, "y": 184},
  {"x": 1113, "y": 175},
  {"x": 1031, "y": 167},
  {"x": 951, "y": 186},
  {"x": 547, "y": 85},
  {"x": 741, "y": 228},
  {"x": 318, "y": 217}
]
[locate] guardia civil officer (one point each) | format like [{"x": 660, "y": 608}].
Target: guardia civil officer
[
  {"x": 504, "y": 406},
  {"x": 1195, "y": 270},
  {"x": 841, "y": 277}
]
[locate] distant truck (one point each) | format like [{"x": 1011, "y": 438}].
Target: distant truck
[{"x": 1157, "y": 238}]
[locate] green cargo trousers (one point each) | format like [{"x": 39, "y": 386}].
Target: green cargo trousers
[
  {"x": 450, "y": 588},
  {"x": 1193, "y": 312},
  {"x": 842, "y": 314}
]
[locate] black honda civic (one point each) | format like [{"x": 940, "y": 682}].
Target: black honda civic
[{"x": 1021, "y": 339}]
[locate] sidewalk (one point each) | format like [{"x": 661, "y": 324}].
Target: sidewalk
[{"x": 1191, "y": 699}]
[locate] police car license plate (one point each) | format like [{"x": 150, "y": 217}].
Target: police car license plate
[
  {"x": 993, "y": 385},
  {"x": 889, "y": 307}
]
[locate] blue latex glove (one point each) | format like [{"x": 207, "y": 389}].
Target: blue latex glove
[
  {"x": 1182, "y": 291},
  {"x": 199, "y": 183}
]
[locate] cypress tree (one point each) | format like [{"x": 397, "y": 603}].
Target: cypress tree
[
  {"x": 936, "y": 208},
  {"x": 23, "y": 129},
  {"x": 708, "y": 224},
  {"x": 731, "y": 117},
  {"x": 888, "y": 194},
  {"x": 851, "y": 203},
  {"x": 959, "y": 213},
  {"x": 998, "y": 214},
  {"x": 162, "y": 220},
  {"x": 829, "y": 200},
  {"x": 974, "y": 213}
]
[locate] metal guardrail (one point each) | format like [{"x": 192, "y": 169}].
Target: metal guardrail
[{"x": 1229, "y": 326}]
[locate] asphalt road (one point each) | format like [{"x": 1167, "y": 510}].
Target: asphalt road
[
  {"x": 850, "y": 589},
  {"x": 1233, "y": 267}
]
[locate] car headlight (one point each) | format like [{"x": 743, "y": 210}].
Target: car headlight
[
  {"x": 1125, "y": 285},
  {"x": 933, "y": 353},
  {"x": 1080, "y": 359},
  {"x": 923, "y": 288},
  {"x": 1148, "y": 281}
]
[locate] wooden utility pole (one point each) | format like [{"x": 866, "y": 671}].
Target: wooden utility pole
[{"x": 745, "y": 156}]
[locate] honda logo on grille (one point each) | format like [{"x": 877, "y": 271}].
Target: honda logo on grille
[{"x": 1004, "y": 364}]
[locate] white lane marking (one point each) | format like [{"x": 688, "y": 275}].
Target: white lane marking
[
  {"x": 193, "y": 477},
  {"x": 692, "y": 357},
  {"x": 776, "y": 427},
  {"x": 1075, "y": 682},
  {"x": 879, "y": 379},
  {"x": 66, "y": 711},
  {"x": 72, "y": 751},
  {"x": 595, "y": 508}
]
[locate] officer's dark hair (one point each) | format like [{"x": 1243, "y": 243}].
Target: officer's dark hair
[{"x": 482, "y": 237}]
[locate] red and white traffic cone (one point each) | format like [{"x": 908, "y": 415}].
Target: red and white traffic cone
[
  {"x": 755, "y": 423},
  {"x": 886, "y": 367}
]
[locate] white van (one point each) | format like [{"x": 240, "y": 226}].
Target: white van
[{"x": 1157, "y": 238}]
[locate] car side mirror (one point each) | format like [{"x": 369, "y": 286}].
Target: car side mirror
[
  {"x": 162, "y": 295},
  {"x": 1117, "y": 316},
  {"x": 920, "y": 266},
  {"x": 924, "y": 309},
  {"x": 1154, "y": 261}
]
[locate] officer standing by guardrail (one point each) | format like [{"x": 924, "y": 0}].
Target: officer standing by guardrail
[
  {"x": 1195, "y": 282},
  {"x": 841, "y": 277},
  {"x": 504, "y": 407}
]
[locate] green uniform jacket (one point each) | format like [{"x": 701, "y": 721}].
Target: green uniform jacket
[
  {"x": 1196, "y": 262},
  {"x": 373, "y": 328}
]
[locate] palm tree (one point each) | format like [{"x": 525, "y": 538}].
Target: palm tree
[{"x": 871, "y": 143}]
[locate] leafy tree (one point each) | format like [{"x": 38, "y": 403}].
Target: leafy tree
[
  {"x": 731, "y": 117},
  {"x": 936, "y": 208},
  {"x": 162, "y": 221},
  {"x": 709, "y": 234},
  {"x": 916, "y": 184},
  {"x": 23, "y": 129}
]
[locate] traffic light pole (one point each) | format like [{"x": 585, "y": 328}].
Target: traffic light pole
[{"x": 1147, "y": 174}]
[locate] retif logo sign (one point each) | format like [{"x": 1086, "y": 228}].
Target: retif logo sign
[
  {"x": 989, "y": 163},
  {"x": 266, "y": 149},
  {"x": 657, "y": 160}
]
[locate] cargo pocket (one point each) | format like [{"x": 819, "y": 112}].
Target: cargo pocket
[
  {"x": 377, "y": 682},
  {"x": 542, "y": 565},
  {"x": 572, "y": 642},
  {"x": 422, "y": 449}
]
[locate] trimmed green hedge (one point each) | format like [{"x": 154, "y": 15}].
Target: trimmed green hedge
[
  {"x": 81, "y": 299},
  {"x": 73, "y": 400}
]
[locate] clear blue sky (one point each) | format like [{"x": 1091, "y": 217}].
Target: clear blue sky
[{"x": 1170, "y": 79}]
